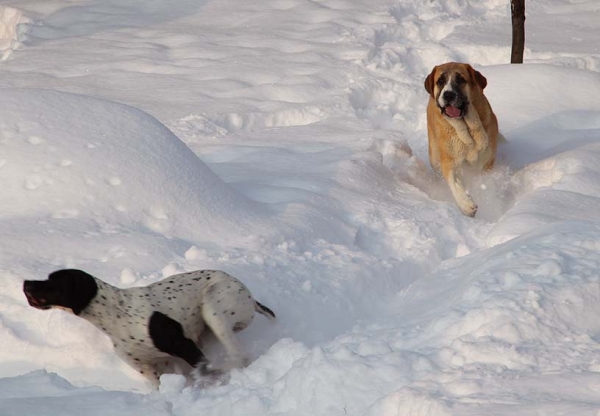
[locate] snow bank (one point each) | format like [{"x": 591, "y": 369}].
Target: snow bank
[
  {"x": 45, "y": 393},
  {"x": 72, "y": 157}
]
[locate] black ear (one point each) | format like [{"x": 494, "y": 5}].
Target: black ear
[
  {"x": 429, "y": 81},
  {"x": 77, "y": 288}
]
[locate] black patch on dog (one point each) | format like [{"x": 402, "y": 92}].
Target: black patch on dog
[
  {"x": 167, "y": 336},
  {"x": 69, "y": 288},
  {"x": 441, "y": 81}
]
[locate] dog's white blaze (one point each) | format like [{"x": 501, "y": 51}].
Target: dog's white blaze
[{"x": 447, "y": 87}]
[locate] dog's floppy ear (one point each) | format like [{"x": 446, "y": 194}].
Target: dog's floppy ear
[
  {"x": 477, "y": 77},
  {"x": 429, "y": 81}
]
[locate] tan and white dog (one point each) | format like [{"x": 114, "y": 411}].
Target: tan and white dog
[{"x": 461, "y": 126}]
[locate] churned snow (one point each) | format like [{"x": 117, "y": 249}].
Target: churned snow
[{"x": 284, "y": 141}]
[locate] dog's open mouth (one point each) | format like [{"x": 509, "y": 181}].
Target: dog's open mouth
[
  {"x": 37, "y": 303},
  {"x": 453, "y": 112}
]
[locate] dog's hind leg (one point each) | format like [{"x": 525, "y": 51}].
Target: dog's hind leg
[
  {"x": 463, "y": 199},
  {"x": 216, "y": 319}
]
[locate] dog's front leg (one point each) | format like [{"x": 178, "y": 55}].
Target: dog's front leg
[
  {"x": 477, "y": 132},
  {"x": 462, "y": 131},
  {"x": 461, "y": 196},
  {"x": 145, "y": 368},
  {"x": 168, "y": 336}
]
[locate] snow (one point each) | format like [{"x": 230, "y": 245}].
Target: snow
[{"x": 285, "y": 143}]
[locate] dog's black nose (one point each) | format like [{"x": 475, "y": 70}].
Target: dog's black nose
[
  {"x": 449, "y": 96},
  {"x": 27, "y": 287}
]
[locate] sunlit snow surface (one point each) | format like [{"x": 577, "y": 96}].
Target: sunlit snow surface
[{"x": 284, "y": 141}]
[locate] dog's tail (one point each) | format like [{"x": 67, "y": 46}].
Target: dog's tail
[{"x": 263, "y": 310}]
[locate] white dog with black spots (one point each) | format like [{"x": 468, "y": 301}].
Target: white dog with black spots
[{"x": 150, "y": 325}]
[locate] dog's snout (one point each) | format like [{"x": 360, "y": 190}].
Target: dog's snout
[
  {"x": 27, "y": 287},
  {"x": 449, "y": 96}
]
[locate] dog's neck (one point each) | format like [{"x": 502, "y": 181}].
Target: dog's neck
[{"x": 106, "y": 307}]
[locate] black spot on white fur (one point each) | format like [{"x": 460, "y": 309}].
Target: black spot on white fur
[
  {"x": 167, "y": 335},
  {"x": 147, "y": 325}
]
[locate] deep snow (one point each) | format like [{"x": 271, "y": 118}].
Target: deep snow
[{"x": 295, "y": 157}]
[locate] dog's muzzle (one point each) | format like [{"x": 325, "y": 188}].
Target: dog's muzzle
[
  {"x": 454, "y": 104},
  {"x": 36, "y": 302}
]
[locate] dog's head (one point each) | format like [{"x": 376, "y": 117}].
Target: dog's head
[
  {"x": 70, "y": 289},
  {"x": 451, "y": 85}
]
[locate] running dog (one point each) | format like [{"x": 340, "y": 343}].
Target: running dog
[
  {"x": 148, "y": 325},
  {"x": 461, "y": 126}
]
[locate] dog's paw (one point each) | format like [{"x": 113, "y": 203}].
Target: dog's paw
[
  {"x": 472, "y": 156},
  {"x": 467, "y": 141},
  {"x": 212, "y": 380},
  {"x": 207, "y": 376},
  {"x": 467, "y": 206},
  {"x": 469, "y": 209}
]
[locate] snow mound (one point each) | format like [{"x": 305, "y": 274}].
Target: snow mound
[
  {"x": 542, "y": 90},
  {"x": 59, "y": 395},
  {"x": 75, "y": 156}
]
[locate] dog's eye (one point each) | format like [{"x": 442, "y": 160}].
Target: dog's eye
[
  {"x": 460, "y": 80},
  {"x": 441, "y": 81}
]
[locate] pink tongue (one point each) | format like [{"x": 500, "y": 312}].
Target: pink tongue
[{"x": 453, "y": 112}]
